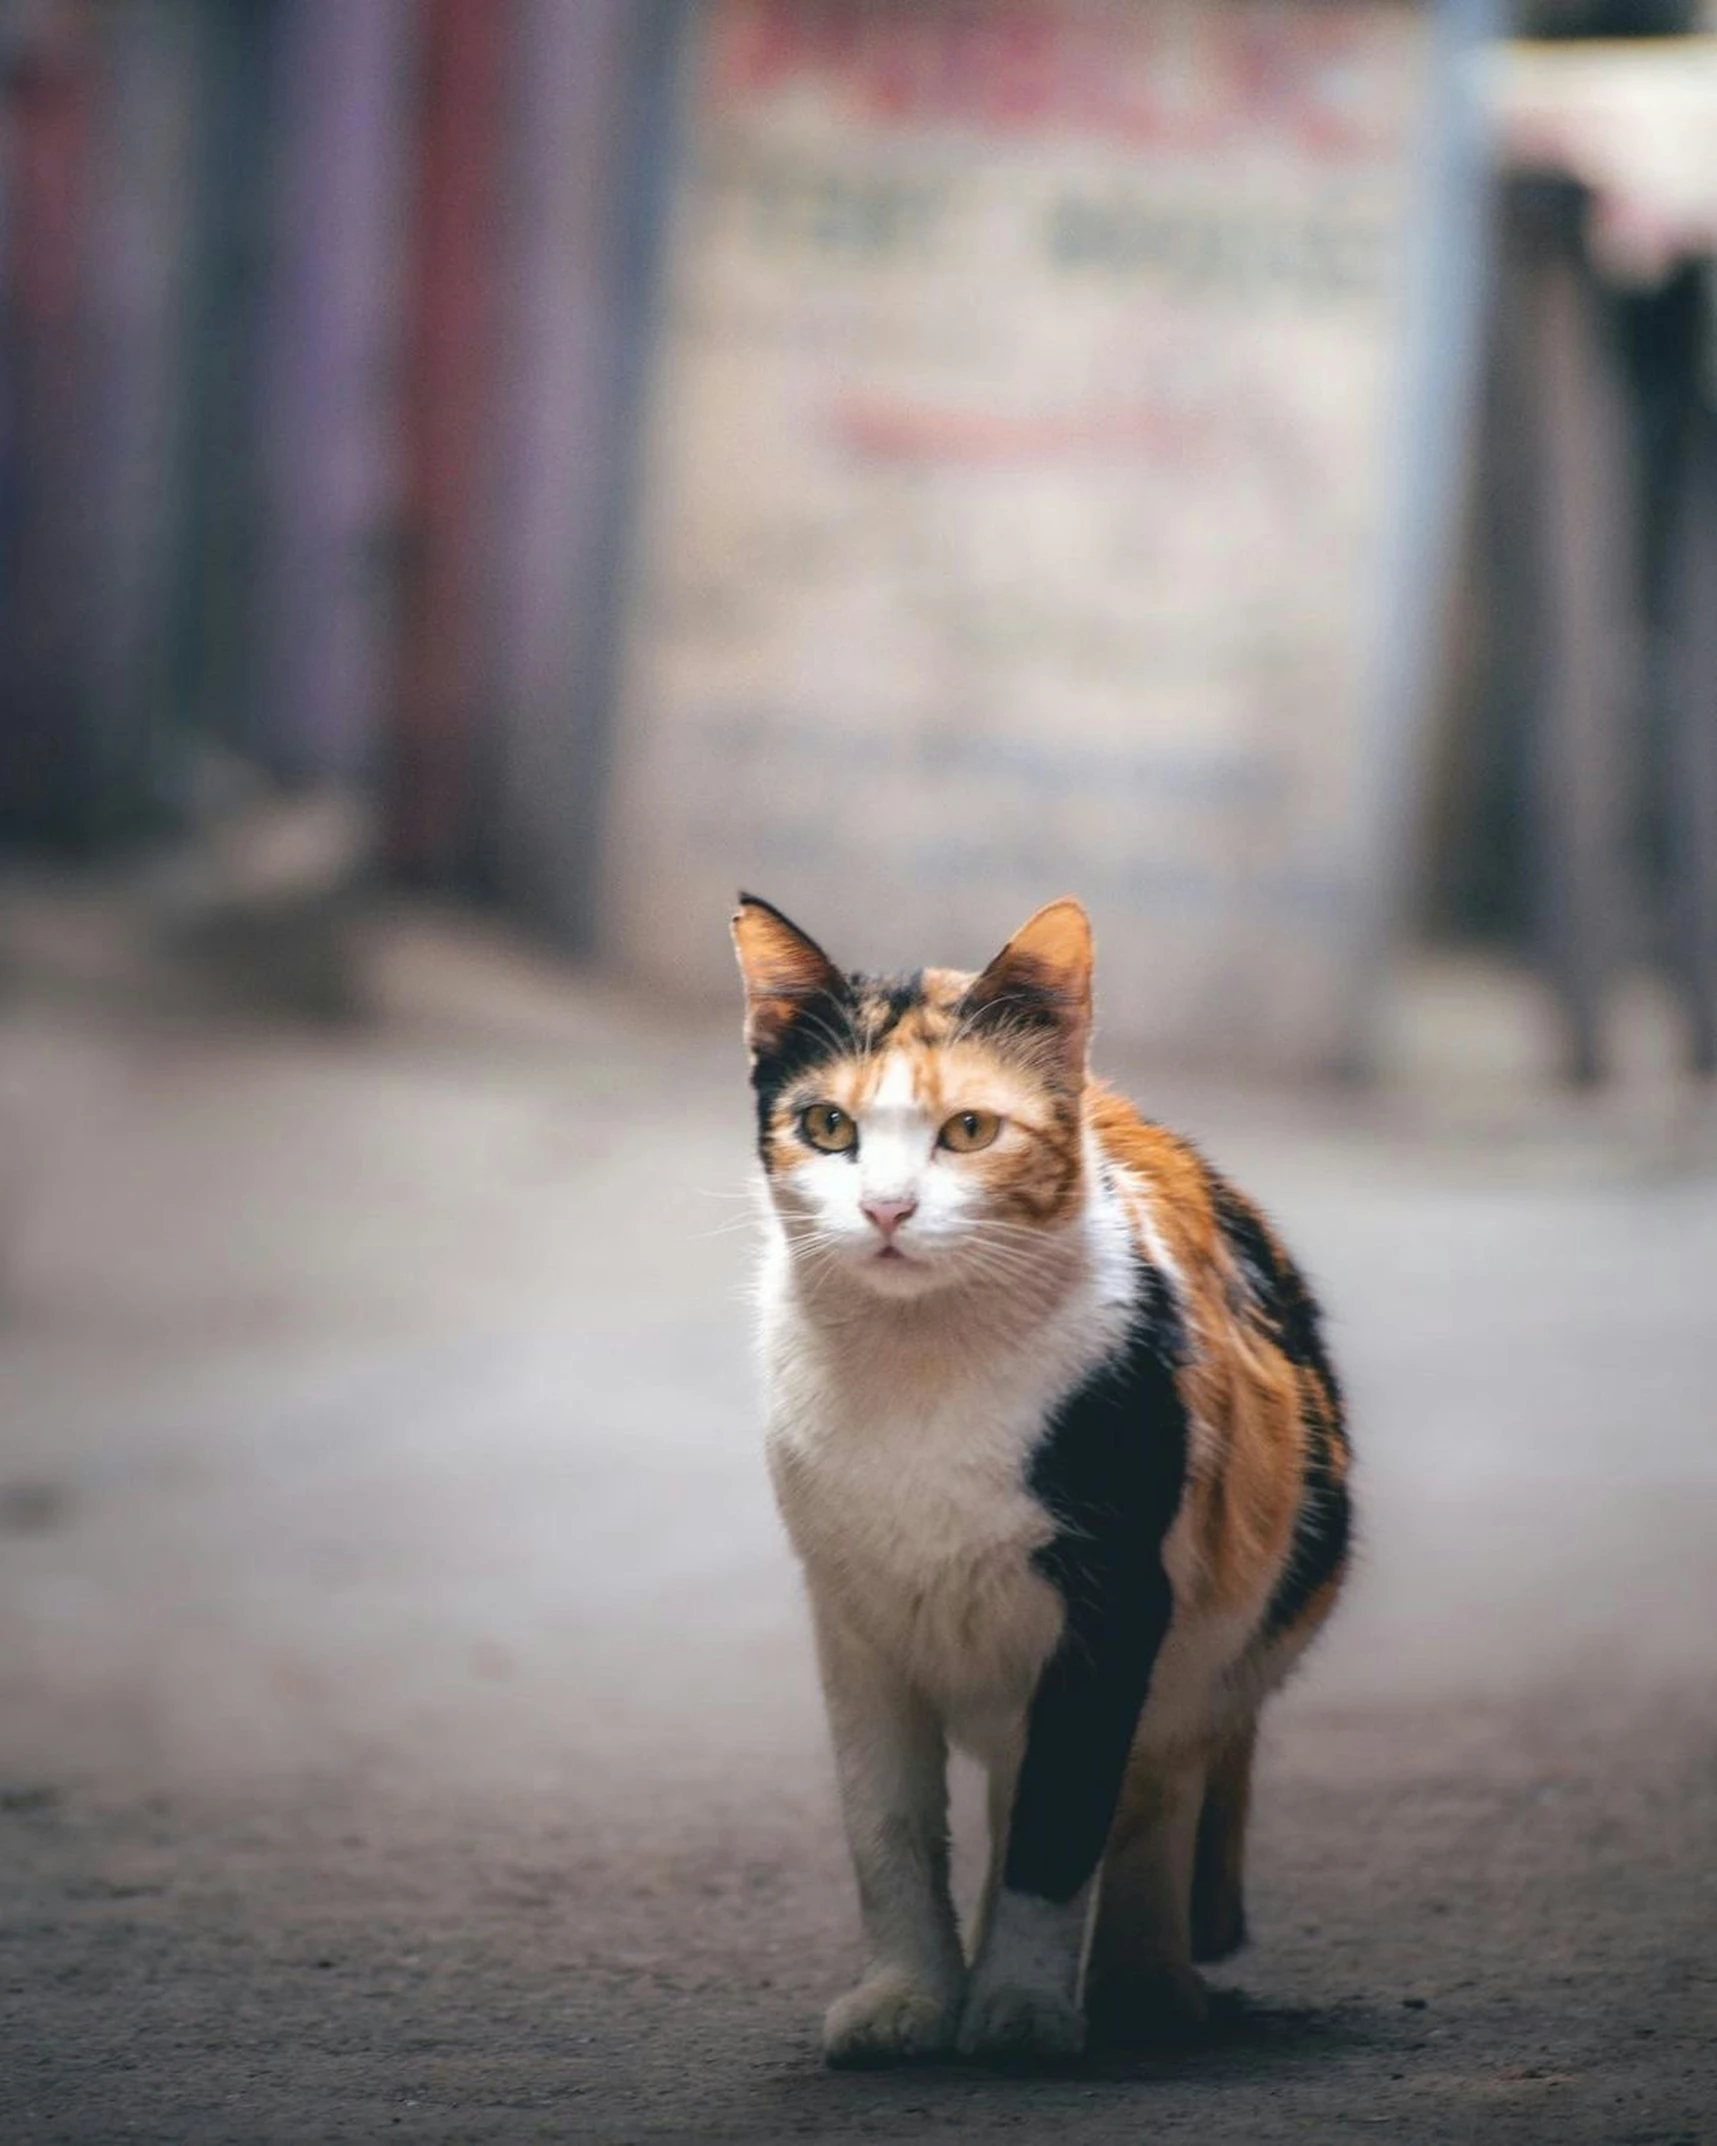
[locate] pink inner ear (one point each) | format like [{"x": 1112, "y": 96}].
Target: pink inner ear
[
  {"x": 777, "y": 959},
  {"x": 1052, "y": 952},
  {"x": 1045, "y": 971},
  {"x": 1022, "y": 977}
]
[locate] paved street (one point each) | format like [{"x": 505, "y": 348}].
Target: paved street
[{"x": 408, "y": 1722}]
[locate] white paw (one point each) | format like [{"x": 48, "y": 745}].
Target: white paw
[
  {"x": 1019, "y": 2023},
  {"x": 889, "y": 2019}
]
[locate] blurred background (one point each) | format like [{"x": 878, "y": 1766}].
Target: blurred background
[{"x": 482, "y": 480}]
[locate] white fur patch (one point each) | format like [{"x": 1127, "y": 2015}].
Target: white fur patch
[
  {"x": 1023, "y": 2000},
  {"x": 1035, "y": 1944},
  {"x": 899, "y": 1436}
]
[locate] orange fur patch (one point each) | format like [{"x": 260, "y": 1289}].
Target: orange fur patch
[{"x": 1248, "y": 1403}]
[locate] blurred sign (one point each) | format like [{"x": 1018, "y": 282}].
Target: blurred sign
[{"x": 1019, "y": 459}]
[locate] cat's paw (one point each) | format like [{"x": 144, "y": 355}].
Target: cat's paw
[
  {"x": 888, "y": 2019},
  {"x": 1141, "y": 2007},
  {"x": 1014, "y": 2023}
]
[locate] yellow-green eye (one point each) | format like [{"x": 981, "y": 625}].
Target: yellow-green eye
[
  {"x": 829, "y": 1128},
  {"x": 968, "y": 1130}
]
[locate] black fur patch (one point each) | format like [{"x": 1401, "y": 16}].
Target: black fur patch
[
  {"x": 1110, "y": 1471},
  {"x": 823, "y": 1029},
  {"x": 884, "y": 1002},
  {"x": 829, "y": 1026},
  {"x": 1280, "y": 1297},
  {"x": 1288, "y": 1312},
  {"x": 1323, "y": 1526},
  {"x": 1159, "y": 1311},
  {"x": 1024, "y": 1003}
]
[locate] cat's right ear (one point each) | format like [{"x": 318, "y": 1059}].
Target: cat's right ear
[
  {"x": 783, "y": 968},
  {"x": 1042, "y": 978}
]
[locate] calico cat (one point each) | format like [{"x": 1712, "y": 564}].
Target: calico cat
[{"x": 1056, "y": 1438}]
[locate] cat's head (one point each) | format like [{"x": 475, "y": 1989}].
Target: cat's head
[{"x": 926, "y": 1130}]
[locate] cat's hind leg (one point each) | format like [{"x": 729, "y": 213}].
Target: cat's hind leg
[
  {"x": 1141, "y": 1985},
  {"x": 1219, "y": 1860}
]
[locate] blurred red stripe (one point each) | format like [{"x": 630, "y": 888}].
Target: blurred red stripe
[{"x": 450, "y": 308}]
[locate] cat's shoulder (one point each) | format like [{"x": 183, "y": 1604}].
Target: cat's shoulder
[{"x": 1205, "y": 1216}]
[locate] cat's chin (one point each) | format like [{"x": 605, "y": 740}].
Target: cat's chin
[{"x": 897, "y": 1275}]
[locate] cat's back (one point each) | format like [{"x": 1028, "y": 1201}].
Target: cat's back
[{"x": 1261, "y": 1541}]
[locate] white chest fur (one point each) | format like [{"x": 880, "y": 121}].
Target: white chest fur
[{"x": 899, "y": 1451}]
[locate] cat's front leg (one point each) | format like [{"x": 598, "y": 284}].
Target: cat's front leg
[
  {"x": 1022, "y": 2000},
  {"x": 891, "y": 1762},
  {"x": 1023, "y": 1997}
]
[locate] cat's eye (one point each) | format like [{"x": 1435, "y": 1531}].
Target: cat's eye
[
  {"x": 828, "y": 1127},
  {"x": 968, "y": 1130}
]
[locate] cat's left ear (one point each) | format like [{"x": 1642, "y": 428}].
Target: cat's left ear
[
  {"x": 783, "y": 968},
  {"x": 1042, "y": 978}
]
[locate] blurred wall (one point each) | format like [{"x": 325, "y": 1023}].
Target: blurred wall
[
  {"x": 915, "y": 467},
  {"x": 317, "y": 324},
  {"x": 1034, "y": 497}
]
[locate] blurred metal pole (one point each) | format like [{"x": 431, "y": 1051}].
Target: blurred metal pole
[
  {"x": 139, "y": 272},
  {"x": 1690, "y": 759},
  {"x": 1448, "y": 288},
  {"x": 215, "y": 601},
  {"x": 49, "y": 91},
  {"x": 459, "y": 126},
  {"x": 592, "y": 119},
  {"x": 1570, "y": 400},
  {"x": 330, "y": 395}
]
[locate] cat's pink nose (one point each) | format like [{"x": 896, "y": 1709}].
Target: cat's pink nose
[{"x": 888, "y": 1215}]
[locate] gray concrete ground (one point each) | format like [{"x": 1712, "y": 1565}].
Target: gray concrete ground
[{"x": 408, "y": 1725}]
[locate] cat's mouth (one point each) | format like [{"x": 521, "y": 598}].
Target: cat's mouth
[{"x": 893, "y": 1253}]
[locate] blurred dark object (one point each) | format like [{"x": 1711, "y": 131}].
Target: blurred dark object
[
  {"x": 49, "y": 106},
  {"x": 452, "y": 308},
  {"x": 1591, "y": 705},
  {"x": 1605, "y": 18}
]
